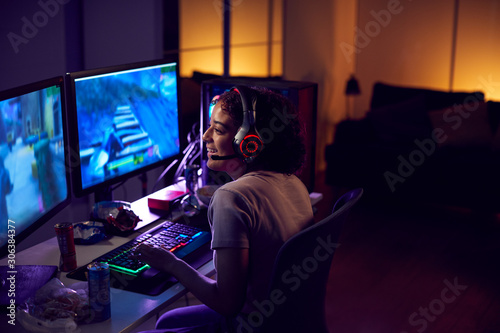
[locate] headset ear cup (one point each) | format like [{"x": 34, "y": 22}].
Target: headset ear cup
[
  {"x": 247, "y": 142},
  {"x": 251, "y": 146}
]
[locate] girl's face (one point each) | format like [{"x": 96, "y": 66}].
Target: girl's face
[{"x": 219, "y": 141}]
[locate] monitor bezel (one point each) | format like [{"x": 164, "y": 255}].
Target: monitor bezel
[
  {"x": 6, "y": 249},
  {"x": 105, "y": 187}
]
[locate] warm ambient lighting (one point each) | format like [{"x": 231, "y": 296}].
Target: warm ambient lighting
[
  {"x": 255, "y": 51},
  {"x": 204, "y": 61},
  {"x": 476, "y": 65}
]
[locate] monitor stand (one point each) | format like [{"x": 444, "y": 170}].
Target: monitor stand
[{"x": 105, "y": 194}]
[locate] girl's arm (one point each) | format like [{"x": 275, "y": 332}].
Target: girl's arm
[{"x": 226, "y": 294}]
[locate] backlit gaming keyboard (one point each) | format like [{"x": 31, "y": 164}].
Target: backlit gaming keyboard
[{"x": 171, "y": 236}]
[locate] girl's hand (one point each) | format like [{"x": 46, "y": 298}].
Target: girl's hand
[{"x": 156, "y": 257}]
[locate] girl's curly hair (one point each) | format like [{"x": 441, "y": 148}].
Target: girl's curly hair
[{"x": 278, "y": 124}]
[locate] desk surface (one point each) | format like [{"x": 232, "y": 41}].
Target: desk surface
[{"x": 128, "y": 309}]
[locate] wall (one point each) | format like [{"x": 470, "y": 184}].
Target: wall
[
  {"x": 122, "y": 31},
  {"x": 47, "y": 38},
  {"x": 477, "y": 64},
  {"x": 32, "y": 43},
  {"x": 410, "y": 43},
  {"x": 314, "y": 33},
  {"x": 403, "y": 42}
]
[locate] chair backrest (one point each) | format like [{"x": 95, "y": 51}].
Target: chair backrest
[
  {"x": 298, "y": 287},
  {"x": 348, "y": 197}
]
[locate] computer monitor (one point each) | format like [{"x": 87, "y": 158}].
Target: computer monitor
[
  {"x": 302, "y": 94},
  {"x": 124, "y": 121},
  {"x": 34, "y": 181}
]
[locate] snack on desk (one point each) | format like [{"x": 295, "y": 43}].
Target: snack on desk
[
  {"x": 54, "y": 308},
  {"x": 117, "y": 216},
  {"x": 88, "y": 232},
  {"x": 124, "y": 220}
]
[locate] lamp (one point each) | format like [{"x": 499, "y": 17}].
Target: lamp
[
  {"x": 352, "y": 86},
  {"x": 351, "y": 89}
]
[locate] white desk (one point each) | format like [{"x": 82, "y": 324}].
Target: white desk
[{"x": 128, "y": 310}]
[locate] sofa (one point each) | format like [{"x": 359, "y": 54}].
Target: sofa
[{"x": 421, "y": 146}]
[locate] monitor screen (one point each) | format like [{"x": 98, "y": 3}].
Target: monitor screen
[
  {"x": 34, "y": 183},
  {"x": 124, "y": 121}
]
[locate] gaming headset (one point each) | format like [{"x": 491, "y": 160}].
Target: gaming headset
[{"x": 247, "y": 142}]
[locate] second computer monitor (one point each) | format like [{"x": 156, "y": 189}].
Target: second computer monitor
[
  {"x": 124, "y": 120},
  {"x": 34, "y": 182}
]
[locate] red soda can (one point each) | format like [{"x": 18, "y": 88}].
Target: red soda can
[{"x": 66, "y": 241}]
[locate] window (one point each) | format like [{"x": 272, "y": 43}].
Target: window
[{"x": 256, "y": 37}]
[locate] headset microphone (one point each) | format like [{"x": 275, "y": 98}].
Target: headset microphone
[{"x": 219, "y": 158}]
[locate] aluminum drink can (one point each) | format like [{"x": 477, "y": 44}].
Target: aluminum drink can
[
  {"x": 66, "y": 240},
  {"x": 99, "y": 291}
]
